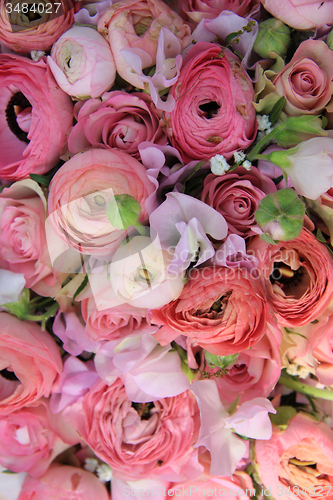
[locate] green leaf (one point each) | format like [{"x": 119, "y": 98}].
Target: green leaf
[
  {"x": 231, "y": 36},
  {"x": 123, "y": 211},
  {"x": 281, "y": 215},
  {"x": 220, "y": 361},
  {"x": 81, "y": 287},
  {"x": 41, "y": 179},
  {"x": 283, "y": 415},
  {"x": 276, "y": 111}
]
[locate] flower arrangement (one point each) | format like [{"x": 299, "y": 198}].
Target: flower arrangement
[{"x": 166, "y": 241}]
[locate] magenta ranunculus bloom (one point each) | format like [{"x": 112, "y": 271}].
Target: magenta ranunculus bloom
[
  {"x": 214, "y": 113},
  {"x": 35, "y": 117}
]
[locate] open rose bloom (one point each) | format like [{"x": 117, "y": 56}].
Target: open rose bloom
[{"x": 166, "y": 249}]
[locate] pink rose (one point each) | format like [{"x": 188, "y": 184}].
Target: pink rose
[
  {"x": 136, "y": 24},
  {"x": 63, "y": 482},
  {"x": 210, "y": 9},
  {"x": 300, "y": 14},
  {"x": 28, "y": 442},
  {"x": 223, "y": 310},
  {"x": 29, "y": 363},
  {"x": 113, "y": 323},
  {"x": 23, "y": 35},
  {"x": 213, "y": 113},
  {"x": 306, "y": 82},
  {"x": 300, "y": 456},
  {"x": 137, "y": 439},
  {"x": 82, "y": 63},
  {"x": 236, "y": 196},
  {"x": 23, "y": 246},
  {"x": 297, "y": 276},
  {"x": 120, "y": 120},
  {"x": 35, "y": 116},
  {"x": 81, "y": 190}
]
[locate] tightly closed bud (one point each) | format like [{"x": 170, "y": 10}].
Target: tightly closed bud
[{"x": 273, "y": 36}]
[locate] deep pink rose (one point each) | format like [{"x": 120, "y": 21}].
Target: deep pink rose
[
  {"x": 35, "y": 116},
  {"x": 119, "y": 120},
  {"x": 137, "y": 439},
  {"x": 223, "y": 309},
  {"x": 22, "y": 35},
  {"x": 306, "y": 82},
  {"x": 23, "y": 246},
  {"x": 297, "y": 276},
  {"x": 213, "y": 113},
  {"x": 113, "y": 323},
  {"x": 29, "y": 363},
  {"x": 28, "y": 441},
  {"x": 236, "y": 196},
  {"x": 283, "y": 460},
  {"x": 63, "y": 482},
  {"x": 136, "y": 24},
  {"x": 81, "y": 190},
  {"x": 210, "y": 9},
  {"x": 300, "y": 14}
]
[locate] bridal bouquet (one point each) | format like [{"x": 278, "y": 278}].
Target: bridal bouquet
[{"x": 166, "y": 267}]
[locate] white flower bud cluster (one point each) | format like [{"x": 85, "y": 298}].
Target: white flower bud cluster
[{"x": 101, "y": 469}]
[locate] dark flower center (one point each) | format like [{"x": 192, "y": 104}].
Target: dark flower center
[
  {"x": 285, "y": 276},
  {"x": 8, "y": 375},
  {"x": 209, "y": 109},
  {"x": 17, "y": 104},
  {"x": 143, "y": 409},
  {"x": 220, "y": 305}
]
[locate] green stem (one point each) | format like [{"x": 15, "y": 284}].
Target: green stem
[
  {"x": 257, "y": 148},
  {"x": 298, "y": 386}
]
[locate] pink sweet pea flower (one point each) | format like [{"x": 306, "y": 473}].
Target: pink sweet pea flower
[
  {"x": 168, "y": 66},
  {"x": 148, "y": 370},
  {"x": 232, "y": 253},
  {"x": 216, "y": 424}
]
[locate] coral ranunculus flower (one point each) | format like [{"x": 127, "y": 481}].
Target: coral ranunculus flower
[
  {"x": 298, "y": 277},
  {"x": 214, "y": 113},
  {"x": 222, "y": 309}
]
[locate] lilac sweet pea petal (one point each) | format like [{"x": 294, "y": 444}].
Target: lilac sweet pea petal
[
  {"x": 184, "y": 232},
  {"x": 91, "y": 13},
  {"x": 233, "y": 254},
  {"x": 252, "y": 420},
  {"x": 213, "y": 435},
  {"x": 71, "y": 331},
  {"x": 148, "y": 370}
]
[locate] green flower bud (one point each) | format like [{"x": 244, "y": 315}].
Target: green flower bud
[
  {"x": 329, "y": 39},
  {"x": 220, "y": 361},
  {"x": 273, "y": 36},
  {"x": 281, "y": 215},
  {"x": 123, "y": 211}
]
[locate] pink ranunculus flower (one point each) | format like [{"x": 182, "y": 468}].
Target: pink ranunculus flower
[
  {"x": 113, "y": 323},
  {"x": 82, "y": 63},
  {"x": 35, "y": 116},
  {"x": 29, "y": 442},
  {"x": 29, "y": 363},
  {"x": 197, "y": 10},
  {"x": 214, "y": 118},
  {"x": 136, "y": 24},
  {"x": 23, "y": 246},
  {"x": 23, "y": 35},
  {"x": 224, "y": 310},
  {"x": 236, "y": 196},
  {"x": 63, "y": 482},
  {"x": 300, "y": 14},
  {"x": 300, "y": 456},
  {"x": 80, "y": 192},
  {"x": 136, "y": 438},
  {"x": 119, "y": 120},
  {"x": 297, "y": 276},
  {"x": 306, "y": 81},
  {"x": 255, "y": 372}
]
